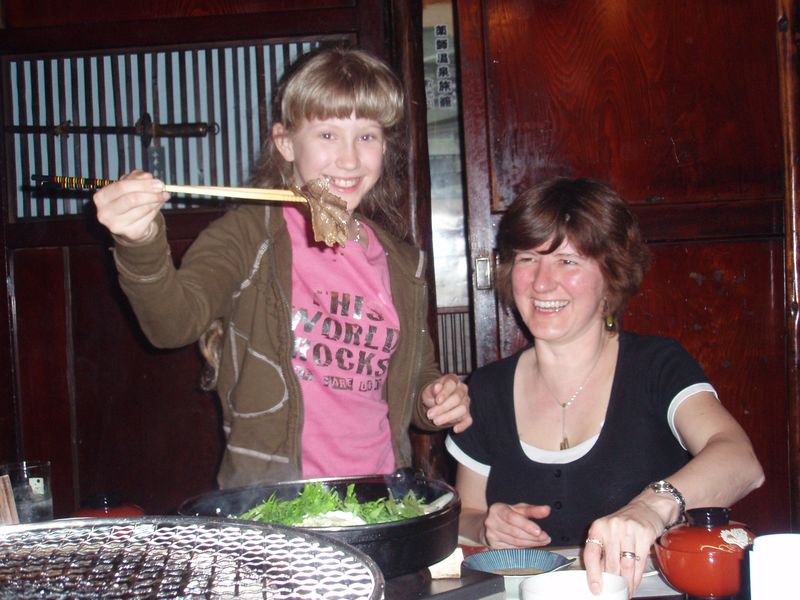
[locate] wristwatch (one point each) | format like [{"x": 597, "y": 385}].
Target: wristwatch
[{"x": 665, "y": 487}]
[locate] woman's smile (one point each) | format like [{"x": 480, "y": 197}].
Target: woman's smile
[
  {"x": 559, "y": 294},
  {"x": 550, "y": 305}
]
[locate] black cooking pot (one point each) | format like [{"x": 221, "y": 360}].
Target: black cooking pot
[{"x": 398, "y": 548}]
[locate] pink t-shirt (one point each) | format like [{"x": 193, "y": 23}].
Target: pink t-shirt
[{"x": 345, "y": 330}]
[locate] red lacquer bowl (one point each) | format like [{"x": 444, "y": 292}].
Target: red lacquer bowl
[{"x": 703, "y": 557}]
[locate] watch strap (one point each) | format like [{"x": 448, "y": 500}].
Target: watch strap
[{"x": 665, "y": 487}]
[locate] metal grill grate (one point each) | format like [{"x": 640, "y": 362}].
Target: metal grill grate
[{"x": 181, "y": 557}]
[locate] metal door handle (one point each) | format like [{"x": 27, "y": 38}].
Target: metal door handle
[{"x": 483, "y": 273}]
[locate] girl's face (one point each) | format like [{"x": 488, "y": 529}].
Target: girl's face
[
  {"x": 347, "y": 152},
  {"x": 558, "y": 295}
]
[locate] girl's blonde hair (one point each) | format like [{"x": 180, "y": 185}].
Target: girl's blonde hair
[
  {"x": 337, "y": 83},
  {"x": 333, "y": 83}
]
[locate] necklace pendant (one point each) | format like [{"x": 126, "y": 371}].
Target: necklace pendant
[{"x": 564, "y": 443}]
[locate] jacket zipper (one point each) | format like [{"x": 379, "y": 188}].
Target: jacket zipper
[{"x": 290, "y": 377}]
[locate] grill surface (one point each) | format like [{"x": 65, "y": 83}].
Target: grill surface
[{"x": 179, "y": 557}]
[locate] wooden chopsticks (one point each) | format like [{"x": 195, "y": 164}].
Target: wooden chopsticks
[
  {"x": 265, "y": 195},
  {"x": 8, "y": 508},
  {"x": 70, "y": 182}
]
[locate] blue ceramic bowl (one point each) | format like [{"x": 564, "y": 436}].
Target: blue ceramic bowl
[
  {"x": 515, "y": 561},
  {"x": 515, "y": 564}
]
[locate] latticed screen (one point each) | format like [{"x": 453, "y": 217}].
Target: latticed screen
[{"x": 191, "y": 115}]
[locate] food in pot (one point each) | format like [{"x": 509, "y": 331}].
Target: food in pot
[{"x": 319, "y": 506}]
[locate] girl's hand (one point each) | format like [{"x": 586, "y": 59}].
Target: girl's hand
[
  {"x": 447, "y": 403},
  {"x": 511, "y": 525},
  {"x": 620, "y": 543},
  {"x": 127, "y": 207}
]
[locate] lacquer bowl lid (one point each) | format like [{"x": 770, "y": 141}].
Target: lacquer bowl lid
[{"x": 708, "y": 529}]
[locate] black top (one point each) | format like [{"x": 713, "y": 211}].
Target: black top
[{"x": 635, "y": 447}]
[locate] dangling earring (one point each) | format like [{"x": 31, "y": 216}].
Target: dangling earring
[{"x": 609, "y": 316}]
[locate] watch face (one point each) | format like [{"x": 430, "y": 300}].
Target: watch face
[{"x": 664, "y": 487}]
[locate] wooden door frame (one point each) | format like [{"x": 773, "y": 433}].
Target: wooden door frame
[
  {"x": 479, "y": 190},
  {"x": 788, "y": 29}
]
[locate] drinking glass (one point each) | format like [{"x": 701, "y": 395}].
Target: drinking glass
[{"x": 30, "y": 482}]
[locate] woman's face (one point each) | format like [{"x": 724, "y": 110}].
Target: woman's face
[
  {"x": 558, "y": 295},
  {"x": 347, "y": 152}
]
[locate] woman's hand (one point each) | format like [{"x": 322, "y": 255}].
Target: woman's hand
[
  {"x": 511, "y": 525},
  {"x": 127, "y": 207},
  {"x": 447, "y": 403},
  {"x": 620, "y": 543}
]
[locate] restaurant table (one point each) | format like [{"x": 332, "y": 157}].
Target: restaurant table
[
  {"x": 474, "y": 585},
  {"x": 471, "y": 586}
]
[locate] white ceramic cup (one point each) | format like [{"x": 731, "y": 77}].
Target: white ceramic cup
[{"x": 572, "y": 585}]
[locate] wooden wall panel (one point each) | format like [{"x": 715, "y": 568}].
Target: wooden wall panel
[
  {"x": 42, "y": 13},
  {"x": 111, "y": 412},
  {"x": 664, "y": 100},
  {"x": 144, "y": 430},
  {"x": 58, "y": 28},
  {"x": 724, "y": 303},
  {"x": 43, "y": 374},
  {"x": 8, "y": 437}
]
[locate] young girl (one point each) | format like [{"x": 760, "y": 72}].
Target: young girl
[{"x": 325, "y": 359}]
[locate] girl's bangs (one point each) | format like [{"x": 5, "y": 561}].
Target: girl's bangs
[{"x": 341, "y": 103}]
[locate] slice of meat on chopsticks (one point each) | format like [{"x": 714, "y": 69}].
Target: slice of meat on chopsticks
[{"x": 330, "y": 220}]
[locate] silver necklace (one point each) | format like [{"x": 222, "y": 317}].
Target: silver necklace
[{"x": 565, "y": 405}]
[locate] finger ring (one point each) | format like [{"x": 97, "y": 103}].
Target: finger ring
[
  {"x": 628, "y": 554},
  {"x": 594, "y": 541}
]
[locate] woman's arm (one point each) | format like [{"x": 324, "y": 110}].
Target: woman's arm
[
  {"x": 723, "y": 470},
  {"x": 501, "y": 525},
  {"x": 472, "y": 490}
]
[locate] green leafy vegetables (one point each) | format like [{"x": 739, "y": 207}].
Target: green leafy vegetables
[{"x": 318, "y": 506}]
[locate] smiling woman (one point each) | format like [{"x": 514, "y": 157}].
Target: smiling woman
[{"x": 592, "y": 433}]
